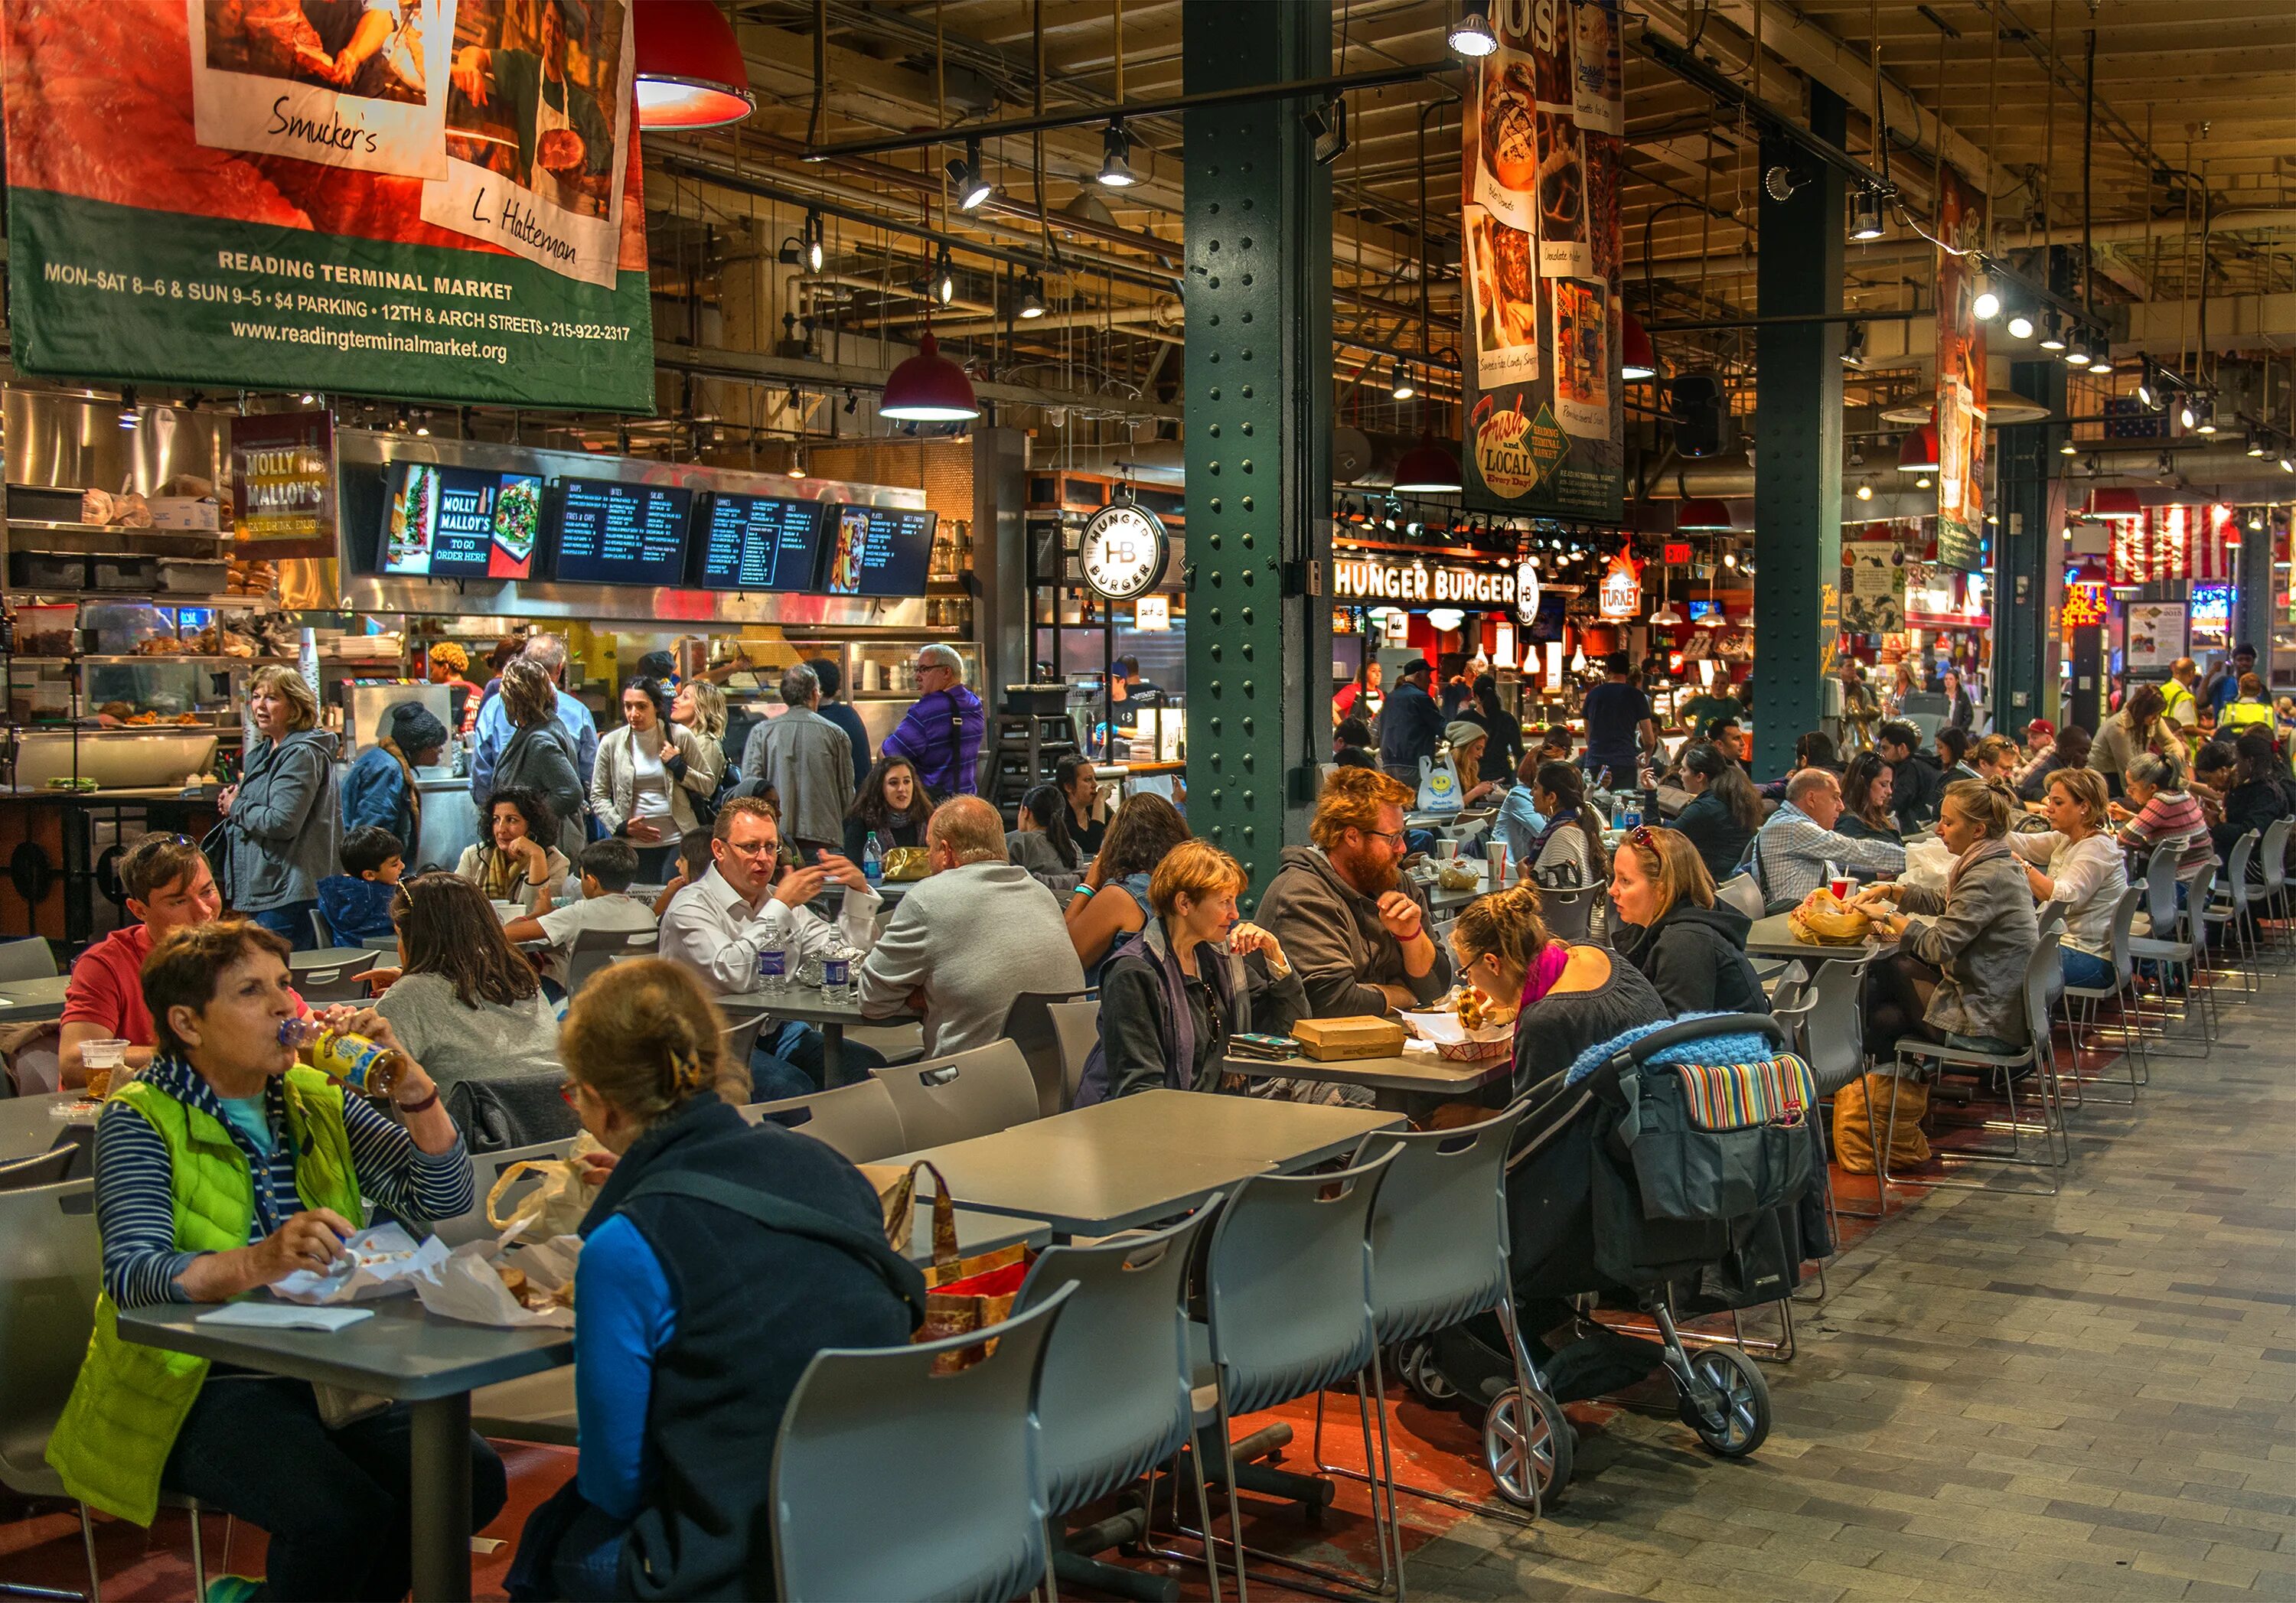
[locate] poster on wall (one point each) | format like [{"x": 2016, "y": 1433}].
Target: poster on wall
[
  {"x": 1874, "y": 586},
  {"x": 1960, "y": 378},
  {"x": 437, "y": 199},
  {"x": 1546, "y": 416},
  {"x": 2156, "y": 633},
  {"x": 282, "y": 478}
]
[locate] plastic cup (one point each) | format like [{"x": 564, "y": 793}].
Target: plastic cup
[
  {"x": 1839, "y": 886},
  {"x": 1496, "y": 855},
  {"x": 1446, "y": 849},
  {"x": 102, "y": 1054}
]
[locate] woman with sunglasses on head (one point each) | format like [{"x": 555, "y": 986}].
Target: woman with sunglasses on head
[
  {"x": 1666, "y": 923},
  {"x": 462, "y": 998}
]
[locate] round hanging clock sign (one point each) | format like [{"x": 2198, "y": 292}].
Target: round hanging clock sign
[
  {"x": 1123, "y": 551},
  {"x": 1526, "y": 593}
]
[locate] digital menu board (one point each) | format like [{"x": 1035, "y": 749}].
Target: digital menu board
[
  {"x": 877, "y": 550},
  {"x": 613, "y": 532},
  {"x": 758, "y": 543},
  {"x": 460, "y": 523}
]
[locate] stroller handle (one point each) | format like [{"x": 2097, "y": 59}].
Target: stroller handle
[{"x": 1700, "y": 1029}]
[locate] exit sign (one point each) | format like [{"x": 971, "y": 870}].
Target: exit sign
[{"x": 1676, "y": 553}]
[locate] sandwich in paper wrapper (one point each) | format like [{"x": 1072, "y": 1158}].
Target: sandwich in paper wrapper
[
  {"x": 1824, "y": 920},
  {"x": 1463, "y": 1028}
]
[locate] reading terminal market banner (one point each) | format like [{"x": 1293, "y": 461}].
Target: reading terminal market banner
[
  {"x": 1546, "y": 420},
  {"x": 432, "y": 200}
]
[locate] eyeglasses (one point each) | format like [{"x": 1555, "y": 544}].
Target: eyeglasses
[
  {"x": 1396, "y": 837},
  {"x": 755, "y": 848},
  {"x": 566, "y": 1089},
  {"x": 1643, "y": 837}
]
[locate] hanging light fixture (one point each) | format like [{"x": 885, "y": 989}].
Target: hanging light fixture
[
  {"x": 690, "y": 74},
  {"x": 1470, "y": 34},
  {"x": 797, "y": 461},
  {"x": 815, "y": 256},
  {"x": 968, "y": 180},
  {"x": 1428, "y": 468},
  {"x": 1917, "y": 452},
  {"x": 2067, "y": 448},
  {"x": 1702, "y": 515},
  {"x": 2114, "y": 505},
  {"x": 129, "y": 412},
  {"x": 929, "y": 388},
  {"x": 1985, "y": 305},
  {"x": 2206, "y": 422},
  {"x": 1032, "y": 297},
  {"x": 1638, "y": 357},
  {"x": 1865, "y": 215},
  {"x": 1399, "y": 384},
  {"x": 2053, "y": 332},
  {"x": 1116, "y": 158},
  {"x": 2020, "y": 325},
  {"x": 1866, "y": 489},
  {"x": 2076, "y": 346}
]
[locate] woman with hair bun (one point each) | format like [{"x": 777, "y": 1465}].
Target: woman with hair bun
[
  {"x": 694, "y": 1316},
  {"x": 1564, "y": 998}
]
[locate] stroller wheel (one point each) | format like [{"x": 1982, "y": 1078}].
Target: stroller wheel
[
  {"x": 1415, "y": 1363},
  {"x": 1730, "y": 1408},
  {"x": 1527, "y": 1446}
]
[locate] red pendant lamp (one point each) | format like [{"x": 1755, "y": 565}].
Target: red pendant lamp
[
  {"x": 1917, "y": 452},
  {"x": 1638, "y": 357},
  {"x": 1428, "y": 467},
  {"x": 929, "y": 388},
  {"x": 2115, "y": 505},
  {"x": 1702, "y": 516},
  {"x": 690, "y": 71}
]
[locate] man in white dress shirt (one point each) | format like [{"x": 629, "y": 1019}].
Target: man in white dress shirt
[{"x": 717, "y": 925}]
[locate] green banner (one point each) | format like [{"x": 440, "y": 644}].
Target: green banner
[{"x": 104, "y": 290}]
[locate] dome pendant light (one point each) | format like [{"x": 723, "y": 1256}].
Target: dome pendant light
[
  {"x": 929, "y": 388},
  {"x": 689, "y": 69},
  {"x": 1471, "y": 36},
  {"x": 1116, "y": 159},
  {"x": 1639, "y": 356},
  {"x": 1428, "y": 468}
]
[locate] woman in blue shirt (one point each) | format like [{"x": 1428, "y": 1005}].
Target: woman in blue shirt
[
  {"x": 379, "y": 791},
  {"x": 693, "y": 1317}
]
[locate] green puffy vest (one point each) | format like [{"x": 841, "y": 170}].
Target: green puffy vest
[{"x": 130, "y": 1400}]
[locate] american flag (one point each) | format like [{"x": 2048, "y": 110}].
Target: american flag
[{"x": 2200, "y": 543}]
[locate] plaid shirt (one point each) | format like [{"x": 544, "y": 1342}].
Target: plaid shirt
[{"x": 1790, "y": 851}]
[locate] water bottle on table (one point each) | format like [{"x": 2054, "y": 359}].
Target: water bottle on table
[
  {"x": 773, "y": 967},
  {"x": 872, "y": 860}
]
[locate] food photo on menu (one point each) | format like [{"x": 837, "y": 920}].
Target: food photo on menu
[{"x": 462, "y": 523}]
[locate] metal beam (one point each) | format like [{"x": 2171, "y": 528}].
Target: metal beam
[{"x": 756, "y": 367}]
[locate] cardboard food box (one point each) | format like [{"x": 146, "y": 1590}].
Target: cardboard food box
[{"x": 1336, "y": 1040}]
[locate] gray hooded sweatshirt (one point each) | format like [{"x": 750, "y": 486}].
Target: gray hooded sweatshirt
[
  {"x": 1332, "y": 938},
  {"x": 282, "y": 826}
]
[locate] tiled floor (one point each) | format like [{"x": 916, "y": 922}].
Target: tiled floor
[{"x": 2086, "y": 1396}]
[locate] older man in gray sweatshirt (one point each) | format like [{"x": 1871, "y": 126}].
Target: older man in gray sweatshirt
[
  {"x": 809, "y": 762},
  {"x": 971, "y": 936}
]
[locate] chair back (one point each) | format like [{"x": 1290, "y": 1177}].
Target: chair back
[
  {"x": 858, "y": 1120},
  {"x": 1287, "y": 1283},
  {"x": 2273, "y": 855},
  {"x": 1028, "y": 1025},
  {"x": 1568, "y": 914},
  {"x": 955, "y": 1098},
  {"x": 48, "y": 1169},
  {"x": 1113, "y": 1399},
  {"x": 1833, "y": 1026},
  {"x": 2124, "y": 921},
  {"x": 487, "y": 1169},
  {"x": 1439, "y": 1234},
  {"x": 51, "y": 1268},
  {"x": 736, "y": 1040},
  {"x": 332, "y": 982},
  {"x": 594, "y": 949},
  {"x": 31, "y": 958},
  {"x": 2160, "y": 893},
  {"x": 2043, "y": 972},
  {"x": 516, "y": 1110},
  {"x": 2050, "y": 916},
  {"x": 2236, "y": 874},
  {"x": 2197, "y": 897},
  {"x": 323, "y": 934},
  {"x": 941, "y": 1469},
  {"x": 1077, "y": 1024},
  {"x": 1742, "y": 892}
]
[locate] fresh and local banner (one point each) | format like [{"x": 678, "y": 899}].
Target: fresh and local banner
[
  {"x": 1960, "y": 380},
  {"x": 434, "y": 199},
  {"x": 1545, "y": 419},
  {"x": 2176, "y": 543}
]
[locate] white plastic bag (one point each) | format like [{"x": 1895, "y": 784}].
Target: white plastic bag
[
  {"x": 1438, "y": 785},
  {"x": 380, "y": 1260},
  {"x": 1928, "y": 864},
  {"x": 464, "y": 1284}
]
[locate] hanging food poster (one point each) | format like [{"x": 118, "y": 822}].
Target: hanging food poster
[{"x": 1546, "y": 422}]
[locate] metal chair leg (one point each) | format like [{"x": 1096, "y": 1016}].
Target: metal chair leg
[
  {"x": 200, "y": 1561},
  {"x": 87, "y": 1540}
]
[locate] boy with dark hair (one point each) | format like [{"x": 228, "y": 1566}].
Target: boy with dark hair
[
  {"x": 357, "y": 902},
  {"x": 607, "y": 867}
]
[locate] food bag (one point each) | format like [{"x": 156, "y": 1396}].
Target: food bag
[
  {"x": 467, "y": 1284},
  {"x": 1455, "y": 1039},
  {"x": 1928, "y": 864},
  {"x": 557, "y": 1205},
  {"x": 382, "y": 1261}
]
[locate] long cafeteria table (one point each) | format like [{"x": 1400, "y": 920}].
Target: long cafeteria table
[
  {"x": 809, "y": 1004},
  {"x": 27, "y": 1124},
  {"x": 1119, "y": 1164},
  {"x": 32, "y": 1000}
]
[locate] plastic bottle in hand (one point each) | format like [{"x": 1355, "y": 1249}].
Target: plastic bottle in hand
[
  {"x": 365, "y": 1066},
  {"x": 872, "y": 860}
]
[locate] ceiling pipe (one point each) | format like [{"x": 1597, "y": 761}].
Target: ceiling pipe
[{"x": 2223, "y": 468}]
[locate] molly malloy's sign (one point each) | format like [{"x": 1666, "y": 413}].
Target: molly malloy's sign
[{"x": 1381, "y": 579}]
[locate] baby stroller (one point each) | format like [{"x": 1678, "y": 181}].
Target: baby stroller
[{"x": 1665, "y": 1172}]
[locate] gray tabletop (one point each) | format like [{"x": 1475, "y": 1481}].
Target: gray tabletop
[
  {"x": 30, "y": 1001},
  {"x": 1143, "y": 1158},
  {"x": 403, "y": 1353},
  {"x": 1422, "y": 1072},
  {"x": 26, "y": 1126},
  {"x": 809, "y": 1004},
  {"x": 1773, "y": 937},
  {"x": 1439, "y": 900}
]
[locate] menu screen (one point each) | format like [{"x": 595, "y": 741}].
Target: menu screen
[
  {"x": 760, "y": 543},
  {"x": 879, "y": 551},
  {"x": 461, "y": 523},
  {"x": 611, "y": 533}
]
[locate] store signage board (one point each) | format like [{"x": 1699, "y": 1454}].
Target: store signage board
[
  {"x": 1152, "y": 614},
  {"x": 1526, "y": 591},
  {"x": 1545, "y": 402},
  {"x": 2085, "y": 606},
  {"x": 1123, "y": 551},
  {"x": 282, "y": 477},
  {"x": 2157, "y": 633},
  {"x": 877, "y": 551},
  {"x": 609, "y": 531},
  {"x": 758, "y": 543},
  {"x": 1676, "y": 553},
  {"x": 1376, "y": 578},
  {"x": 1620, "y": 598},
  {"x": 284, "y": 233}
]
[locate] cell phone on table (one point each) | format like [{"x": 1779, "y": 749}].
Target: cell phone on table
[{"x": 1262, "y": 1046}]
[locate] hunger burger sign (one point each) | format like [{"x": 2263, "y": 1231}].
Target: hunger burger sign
[{"x": 1383, "y": 579}]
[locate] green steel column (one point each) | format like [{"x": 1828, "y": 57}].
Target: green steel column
[
  {"x": 1259, "y": 431},
  {"x": 2252, "y": 602},
  {"x": 1798, "y": 443},
  {"x": 2024, "y": 544}
]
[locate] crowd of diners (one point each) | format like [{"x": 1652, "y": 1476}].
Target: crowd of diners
[{"x": 224, "y": 1164}]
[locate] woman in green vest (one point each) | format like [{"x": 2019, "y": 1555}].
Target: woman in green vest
[{"x": 224, "y": 1167}]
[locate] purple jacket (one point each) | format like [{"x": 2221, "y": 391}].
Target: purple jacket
[{"x": 941, "y": 735}]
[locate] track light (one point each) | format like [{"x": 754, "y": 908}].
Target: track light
[
  {"x": 1780, "y": 182},
  {"x": 2255, "y": 443},
  {"x": 2287, "y": 466},
  {"x": 423, "y": 423},
  {"x": 1853, "y": 345},
  {"x": 1032, "y": 297},
  {"x": 310, "y": 398},
  {"x": 2053, "y": 332},
  {"x": 2020, "y": 326},
  {"x": 1865, "y": 215},
  {"x": 815, "y": 256},
  {"x": 944, "y": 284},
  {"x": 797, "y": 461},
  {"x": 1923, "y": 483},
  {"x": 2186, "y": 416},
  {"x": 1399, "y": 385},
  {"x": 1986, "y": 304},
  {"x": 852, "y": 403},
  {"x": 1470, "y": 34},
  {"x": 967, "y": 180},
  {"x": 2148, "y": 391},
  {"x": 2067, "y": 448},
  {"x": 128, "y": 407},
  {"x": 1116, "y": 159},
  {"x": 2076, "y": 348}
]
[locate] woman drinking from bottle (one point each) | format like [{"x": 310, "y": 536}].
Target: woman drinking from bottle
[{"x": 225, "y": 1167}]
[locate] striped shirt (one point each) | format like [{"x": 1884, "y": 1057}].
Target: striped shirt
[
  {"x": 2172, "y": 818},
  {"x": 136, "y": 1193}
]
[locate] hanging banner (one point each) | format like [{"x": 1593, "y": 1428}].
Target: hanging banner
[
  {"x": 282, "y": 478},
  {"x": 429, "y": 200},
  {"x": 1960, "y": 380},
  {"x": 2201, "y": 542},
  {"x": 1620, "y": 594},
  {"x": 1546, "y": 414}
]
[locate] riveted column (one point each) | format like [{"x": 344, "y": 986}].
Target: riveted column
[
  {"x": 2025, "y": 546},
  {"x": 1259, "y": 431},
  {"x": 1797, "y": 442}
]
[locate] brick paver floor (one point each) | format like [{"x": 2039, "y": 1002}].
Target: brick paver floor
[{"x": 2087, "y": 1396}]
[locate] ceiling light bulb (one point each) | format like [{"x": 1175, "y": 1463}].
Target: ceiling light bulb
[
  {"x": 1923, "y": 483},
  {"x": 944, "y": 287},
  {"x": 1470, "y": 34},
  {"x": 1987, "y": 304},
  {"x": 1865, "y": 216},
  {"x": 2077, "y": 348},
  {"x": 2185, "y": 415},
  {"x": 2145, "y": 393},
  {"x": 797, "y": 461},
  {"x": 2020, "y": 326},
  {"x": 2254, "y": 521},
  {"x": 1865, "y": 491},
  {"x": 1032, "y": 298},
  {"x": 2067, "y": 448},
  {"x": 2053, "y": 335},
  {"x": 128, "y": 409},
  {"x": 2255, "y": 444},
  {"x": 2286, "y": 466},
  {"x": 1116, "y": 159},
  {"x": 1401, "y": 385},
  {"x": 969, "y": 181}
]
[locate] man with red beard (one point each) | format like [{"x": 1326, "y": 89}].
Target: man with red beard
[{"x": 1357, "y": 931}]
